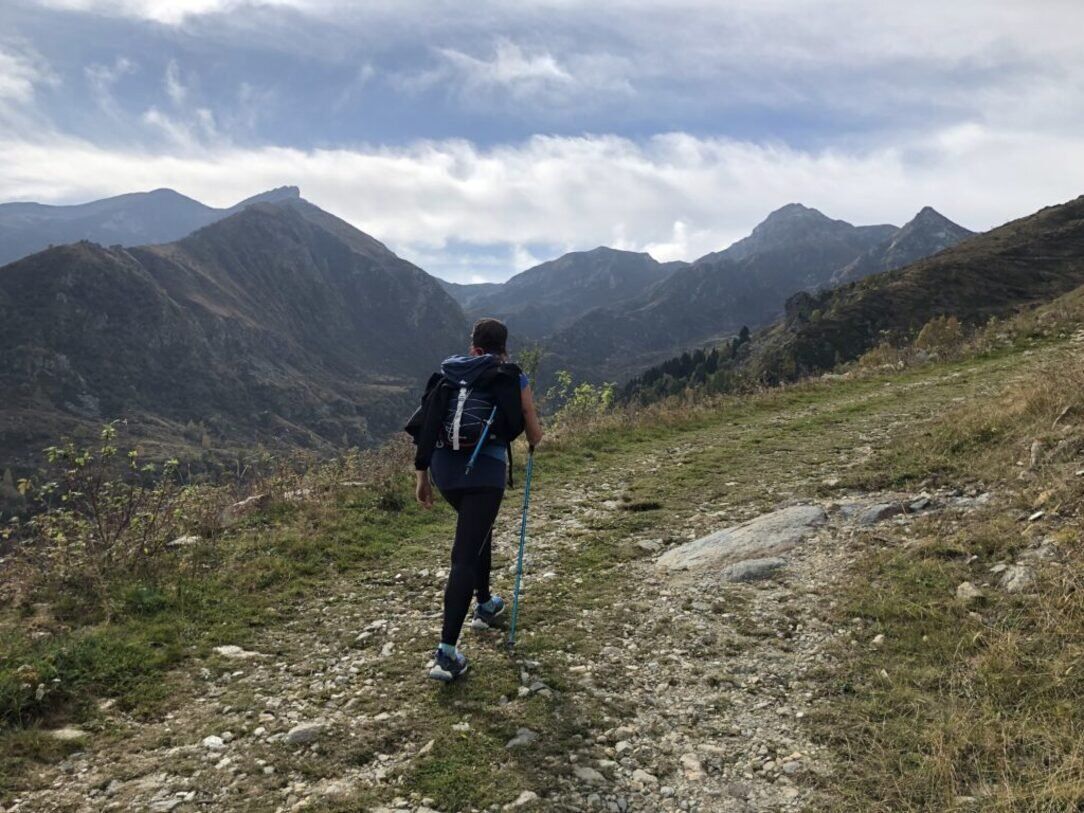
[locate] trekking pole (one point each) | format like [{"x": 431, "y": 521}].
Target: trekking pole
[
  {"x": 481, "y": 440},
  {"x": 522, "y": 545}
]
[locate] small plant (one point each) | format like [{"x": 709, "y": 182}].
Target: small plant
[
  {"x": 101, "y": 514},
  {"x": 573, "y": 402}
]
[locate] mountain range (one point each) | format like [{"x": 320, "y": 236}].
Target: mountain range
[
  {"x": 279, "y": 326},
  {"x": 274, "y": 323},
  {"x": 796, "y": 248},
  {"x": 1028, "y": 261},
  {"x": 138, "y": 218},
  {"x": 549, "y": 297}
]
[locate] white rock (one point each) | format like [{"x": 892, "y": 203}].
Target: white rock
[
  {"x": 524, "y": 736},
  {"x": 304, "y": 733},
  {"x": 968, "y": 593},
  {"x": 766, "y": 535},
  {"x": 213, "y": 743},
  {"x": 235, "y": 652},
  {"x": 645, "y": 778},
  {"x": 587, "y": 774},
  {"x": 68, "y": 734},
  {"x": 691, "y": 767},
  {"x": 1018, "y": 578},
  {"x": 751, "y": 569},
  {"x": 524, "y": 798},
  {"x": 183, "y": 541}
]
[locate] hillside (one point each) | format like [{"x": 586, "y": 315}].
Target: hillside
[
  {"x": 280, "y": 326},
  {"x": 1027, "y": 261},
  {"x": 548, "y": 297},
  {"x": 844, "y": 595},
  {"x": 138, "y": 218}
]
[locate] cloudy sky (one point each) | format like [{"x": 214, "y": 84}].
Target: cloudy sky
[{"x": 477, "y": 138}]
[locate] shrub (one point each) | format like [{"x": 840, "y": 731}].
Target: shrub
[{"x": 943, "y": 335}]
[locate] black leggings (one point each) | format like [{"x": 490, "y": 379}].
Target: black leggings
[{"x": 471, "y": 554}]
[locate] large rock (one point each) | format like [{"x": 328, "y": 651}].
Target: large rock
[
  {"x": 767, "y": 535},
  {"x": 305, "y": 733},
  {"x": 752, "y": 569}
]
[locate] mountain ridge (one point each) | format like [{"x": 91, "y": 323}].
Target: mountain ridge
[
  {"x": 135, "y": 218},
  {"x": 279, "y": 325}
]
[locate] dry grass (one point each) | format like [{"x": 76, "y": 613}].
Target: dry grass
[{"x": 979, "y": 707}]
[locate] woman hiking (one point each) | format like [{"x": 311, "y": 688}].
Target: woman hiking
[{"x": 471, "y": 412}]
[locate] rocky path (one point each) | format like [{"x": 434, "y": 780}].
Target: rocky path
[{"x": 636, "y": 686}]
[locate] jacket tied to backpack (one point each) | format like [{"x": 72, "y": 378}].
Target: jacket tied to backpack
[{"x": 468, "y": 393}]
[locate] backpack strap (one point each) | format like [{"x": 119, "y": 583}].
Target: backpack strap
[{"x": 457, "y": 420}]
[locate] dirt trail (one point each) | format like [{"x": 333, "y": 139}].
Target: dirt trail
[{"x": 633, "y": 689}]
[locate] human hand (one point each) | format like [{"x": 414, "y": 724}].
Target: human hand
[{"x": 423, "y": 490}]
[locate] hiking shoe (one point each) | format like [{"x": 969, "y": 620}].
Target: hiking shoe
[
  {"x": 446, "y": 668},
  {"x": 484, "y": 618}
]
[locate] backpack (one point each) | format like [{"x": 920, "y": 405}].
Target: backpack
[
  {"x": 433, "y": 421},
  {"x": 466, "y": 417}
]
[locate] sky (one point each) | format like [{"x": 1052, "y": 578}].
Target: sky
[{"x": 477, "y": 139}]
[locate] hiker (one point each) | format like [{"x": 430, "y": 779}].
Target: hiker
[{"x": 471, "y": 412}]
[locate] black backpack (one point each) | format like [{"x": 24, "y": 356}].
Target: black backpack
[{"x": 433, "y": 422}]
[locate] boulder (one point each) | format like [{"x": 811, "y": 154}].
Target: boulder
[
  {"x": 968, "y": 593},
  {"x": 751, "y": 569},
  {"x": 524, "y": 736},
  {"x": 766, "y": 535},
  {"x": 878, "y": 512},
  {"x": 304, "y": 733}
]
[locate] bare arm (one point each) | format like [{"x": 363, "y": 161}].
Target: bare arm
[{"x": 531, "y": 425}]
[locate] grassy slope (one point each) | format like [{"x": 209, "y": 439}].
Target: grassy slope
[{"x": 258, "y": 587}]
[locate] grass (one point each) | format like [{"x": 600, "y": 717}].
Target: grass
[
  {"x": 919, "y": 741},
  {"x": 970, "y": 707}
]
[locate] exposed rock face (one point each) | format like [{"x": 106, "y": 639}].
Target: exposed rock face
[{"x": 768, "y": 534}]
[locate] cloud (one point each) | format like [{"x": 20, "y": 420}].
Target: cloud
[
  {"x": 175, "y": 87},
  {"x": 21, "y": 72},
  {"x": 677, "y": 194},
  {"x": 103, "y": 78},
  {"x": 510, "y": 67}
]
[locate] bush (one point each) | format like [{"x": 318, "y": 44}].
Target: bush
[
  {"x": 578, "y": 403},
  {"x": 943, "y": 335}
]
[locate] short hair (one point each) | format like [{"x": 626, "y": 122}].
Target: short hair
[{"x": 490, "y": 335}]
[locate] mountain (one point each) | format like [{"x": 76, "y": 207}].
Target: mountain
[
  {"x": 923, "y": 236},
  {"x": 1029, "y": 261},
  {"x": 795, "y": 248},
  {"x": 280, "y": 325},
  {"x": 541, "y": 300},
  {"x": 138, "y": 218},
  {"x": 1025, "y": 262},
  {"x": 466, "y": 292}
]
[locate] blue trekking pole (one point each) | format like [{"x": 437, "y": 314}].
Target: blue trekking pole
[
  {"x": 522, "y": 545},
  {"x": 481, "y": 440}
]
